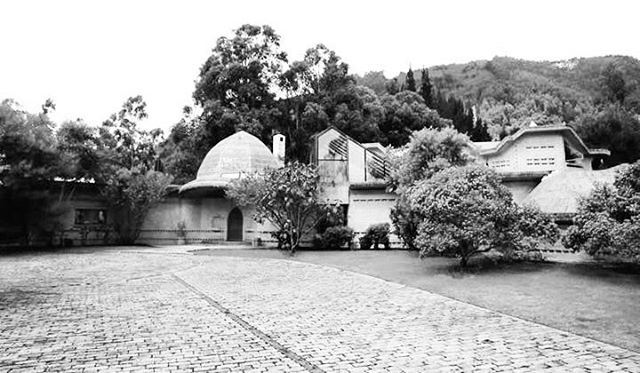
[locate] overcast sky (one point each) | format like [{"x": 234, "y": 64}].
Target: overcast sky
[{"x": 89, "y": 56}]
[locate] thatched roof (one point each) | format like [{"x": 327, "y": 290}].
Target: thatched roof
[
  {"x": 558, "y": 192},
  {"x": 238, "y": 154}
]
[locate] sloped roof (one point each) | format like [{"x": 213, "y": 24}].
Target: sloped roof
[
  {"x": 238, "y": 154},
  {"x": 558, "y": 192},
  {"x": 495, "y": 147}
]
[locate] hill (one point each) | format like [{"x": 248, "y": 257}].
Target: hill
[{"x": 509, "y": 92}]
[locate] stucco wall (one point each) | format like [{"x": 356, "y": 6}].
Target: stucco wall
[
  {"x": 333, "y": 168},
  {"x": 531, "y": 152},
  {"x": 367, "y": 207},
  {"x": 356, "y": 163},
  {"x": 205, "y": 221}
]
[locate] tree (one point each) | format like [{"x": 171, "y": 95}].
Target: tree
[
  {"x": 608, "y": 220},
  {"x": 287, "y": 197},
  {"x": 429, "y": 151},
  {"x": 614, "y": 128},
  {"x": 404, "y": 113},
  {"x": 426, "y": 88},
  {"x": 465, "y": 211},
  {"x": 27, "y": 146},
  {"x": 615, "y": 85},
  {"x": 410, "y": 82},
  {"x": 132, "y": 186},
  {"x": 374, "y": 80},
  {"x": 392, "y": 86},
  {"x": 131, "y": 193},
  {"x": 31, "y": 159}
]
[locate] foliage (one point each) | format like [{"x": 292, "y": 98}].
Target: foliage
[
  {"x": 464, "y": 211},
  {"x": 31, "y": 158},
  {"x": 404, "y": 113},
  {"x": 131, "y": 194},
  {"x": 375, "y": 235},
  {"x": 426, "y": 88},
  {"x": 334, "y": 238},
  {"x": 405, "y": 221},
  {"x": 132, "y": 185},
  {"x": 429, "y": 151},
  {"x": 608, "y": 220},
  {"x": 28, "y": 151},
  {"x": 410, "y": 81},
  {"x": 287, "y": 197},
  {"x": 614, "y": 128},
  {"x": 374, "y": 80}
]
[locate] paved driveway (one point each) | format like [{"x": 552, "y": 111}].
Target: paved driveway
[{"x": 111, "y": 311}]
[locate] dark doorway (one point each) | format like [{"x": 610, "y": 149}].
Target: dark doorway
[{"x": 234, "y": 225}]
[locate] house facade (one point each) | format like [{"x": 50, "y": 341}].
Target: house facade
[{"x": 549, "y": 167}]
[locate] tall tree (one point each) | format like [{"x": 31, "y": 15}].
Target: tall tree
[
  {"x": 426, "y": 88},
  {"x": 615, "y": 84},
  {"x": 410, "y": 82},
  {"x": 132, "y": 186},
  {"x": 237, "y": 84}
]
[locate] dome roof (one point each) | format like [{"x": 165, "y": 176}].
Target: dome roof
[{"x": 230, "y": 158}]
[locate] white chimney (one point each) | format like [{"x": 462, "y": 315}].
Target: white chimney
[{"x": 279, "y": 148}]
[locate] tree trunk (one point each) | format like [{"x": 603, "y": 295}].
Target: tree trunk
[{"x": 464, "y": 261}]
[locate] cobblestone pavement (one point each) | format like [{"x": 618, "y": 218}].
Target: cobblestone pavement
[{"x": 145, "y": 311}]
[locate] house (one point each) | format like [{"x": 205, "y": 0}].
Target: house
[
  {"x": 524, "y": 158},
  {"x": 549, "y": 167},
  {"x": 200, "y": 207},
  {"x": 354, "y": 175}
]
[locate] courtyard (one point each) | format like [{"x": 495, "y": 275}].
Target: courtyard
[{"x": 149, "y": 309}]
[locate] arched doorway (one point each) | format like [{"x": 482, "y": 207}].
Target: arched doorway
[{"x": 234, "y": 225}]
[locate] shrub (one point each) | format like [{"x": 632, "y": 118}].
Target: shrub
[
  {"x": 334, "y": 238},
  {"x": 465, "y": 211},
  {"x": 375, "y": 235},
  {"x": 608, "y": 220}
]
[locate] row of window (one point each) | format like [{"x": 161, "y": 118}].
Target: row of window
[
  {"x": 499, "y": 163},
  {"x": 541, "y": 161},
  {"x": 540, "y": 147}
]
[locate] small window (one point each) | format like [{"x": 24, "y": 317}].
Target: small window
[{"x": 90, "y": 216}]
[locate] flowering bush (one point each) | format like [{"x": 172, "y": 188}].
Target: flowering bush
[
  {"x": 608, "y": 220},
  {"x": 463, "y": 211}
]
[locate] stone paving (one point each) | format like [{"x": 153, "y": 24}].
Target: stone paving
[{"x": 151, "y": 311}]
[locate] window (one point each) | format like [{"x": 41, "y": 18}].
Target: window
[
  {"x": 90, "y": 216},
  {"x": 499, "y": 163},
  {"x": 549, "y": 161}
]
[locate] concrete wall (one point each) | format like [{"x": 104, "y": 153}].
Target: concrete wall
[
  {"x": 333, "y": 169},
  {"x": 531, "y": 152},
  {"x": 367, "y": 207},
  {"x": 356, "y": 163},
  {"x": 205, "y": 221}
]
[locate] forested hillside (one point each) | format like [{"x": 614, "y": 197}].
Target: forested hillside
[
  {"x": 598, "y": 96},
  {"x": 507, "y": 90}
]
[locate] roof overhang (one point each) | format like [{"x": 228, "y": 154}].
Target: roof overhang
[{"x": 568, "y": 132}]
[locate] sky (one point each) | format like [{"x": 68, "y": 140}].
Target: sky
[{"x": 89, "y": 56}]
